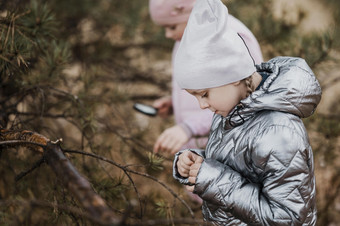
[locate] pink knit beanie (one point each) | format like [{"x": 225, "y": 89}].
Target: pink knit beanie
[{"x": 165, "y": 12}]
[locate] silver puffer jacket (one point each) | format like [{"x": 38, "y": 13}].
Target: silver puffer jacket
[{"x": 258, "y": 164}]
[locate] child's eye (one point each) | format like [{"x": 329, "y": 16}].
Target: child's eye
[
  {"x": 205, "y": 94},
  {"x": 173, "y": 27}
]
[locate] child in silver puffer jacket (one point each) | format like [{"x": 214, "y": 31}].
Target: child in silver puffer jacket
[{"x": 257, "y": 168}]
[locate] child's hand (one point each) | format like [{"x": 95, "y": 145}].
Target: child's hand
[
  {"x": 193, "y": 171},
  {"x": 164, "y": 106},
  {"x": 171, "y": 140},
  {"x": 185, "y": 160}
]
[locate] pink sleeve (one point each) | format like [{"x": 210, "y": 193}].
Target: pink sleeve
[{"x": 200, "y": 122}]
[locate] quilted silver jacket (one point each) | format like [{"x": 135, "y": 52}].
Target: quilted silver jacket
[{"x": 258, "y": 164}]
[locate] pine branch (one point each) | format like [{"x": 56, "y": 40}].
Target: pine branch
[
  {"x": 126, "y": 169},
  {"x": 64, "y": 170},
  {"x": 77, "y": 184}
]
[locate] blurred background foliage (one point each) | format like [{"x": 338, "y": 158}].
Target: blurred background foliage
[{"x": 73, "y": 69}]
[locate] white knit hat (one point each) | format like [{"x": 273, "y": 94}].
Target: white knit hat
[{"x": 210, "y": 54}]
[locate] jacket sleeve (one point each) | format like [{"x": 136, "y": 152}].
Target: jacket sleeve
[
  {"x": 176, "y": 175},
  {"x": 285, "y": 191}
]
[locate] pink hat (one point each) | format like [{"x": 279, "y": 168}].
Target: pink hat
[
  {"x": 164, "y": 12},
  {"x": 211, "y": 54}
]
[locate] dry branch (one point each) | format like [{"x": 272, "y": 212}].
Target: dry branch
[
  {"x": 94, "y": 205},
  {"x": 126, "y": 169},
  {"x": 77, "y": 184}
]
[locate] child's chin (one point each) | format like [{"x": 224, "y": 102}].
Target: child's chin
[{"x": 221, "y": 113}]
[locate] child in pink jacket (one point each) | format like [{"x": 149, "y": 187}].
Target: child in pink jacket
[{"x": 192, "y": 124}]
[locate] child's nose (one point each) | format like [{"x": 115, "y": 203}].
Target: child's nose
[{"x": 203, "y": 104}]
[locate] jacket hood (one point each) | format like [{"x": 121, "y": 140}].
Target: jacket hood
[{"x": 290, "y": 87}]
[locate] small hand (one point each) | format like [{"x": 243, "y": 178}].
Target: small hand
[
  {"x": 185, "y": 160},
  {"x": 193, "y": 171},
  {"x": 164, "y": 106},
  {"x": 171, "y": 140}
]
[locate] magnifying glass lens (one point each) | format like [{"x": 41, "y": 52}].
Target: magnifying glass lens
[{"x": 145, "y": 109}]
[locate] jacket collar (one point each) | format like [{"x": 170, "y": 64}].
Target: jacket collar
[{"x": 291, "y": 87}]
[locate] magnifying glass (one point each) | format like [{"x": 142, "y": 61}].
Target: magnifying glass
[{"x": 145, "y": 109}]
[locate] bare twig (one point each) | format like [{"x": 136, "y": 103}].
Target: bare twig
[
  {"x": 35, "y": 165},
  {"x": 124, "y": 168},
  {"x": 19, "y": 142},
  {"x": 139, "y": 198},
  {"x": 64, "y": 170},
  {"x": 77, "y": 184}
]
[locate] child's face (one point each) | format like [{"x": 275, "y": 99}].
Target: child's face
[
  {"x": 220, "y": 100},
  {"x": 175, "y": 31}
]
